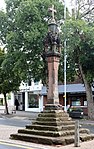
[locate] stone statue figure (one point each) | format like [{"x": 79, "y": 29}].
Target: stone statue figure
[{"x": 52, "y": 39}]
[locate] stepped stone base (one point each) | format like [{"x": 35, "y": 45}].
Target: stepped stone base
[{"x": 53, "y": 126}]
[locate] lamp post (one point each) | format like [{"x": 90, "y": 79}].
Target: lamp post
[{"x": 65, "y": 56}]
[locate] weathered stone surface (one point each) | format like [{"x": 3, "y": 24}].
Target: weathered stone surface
[
  {"x": 44, "y": 127},
  {"x": 56, "y": 128},
  {"x": 48, "y": 123},
  {"x": 50, "y": 140},
  {"x": 51, "y": 113},
  {"x": 86, "y": 137},
  {"x": 53, "y": 107},
  {"x": 39, "y": 139},
  {"x": 57, "y": 119},
  {"x": 50, "y": 133}
]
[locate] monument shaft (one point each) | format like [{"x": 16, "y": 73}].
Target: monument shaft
[{"x": 52, "y": 95}]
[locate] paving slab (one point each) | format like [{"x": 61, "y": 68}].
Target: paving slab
[{"x": 5, "y": 132}]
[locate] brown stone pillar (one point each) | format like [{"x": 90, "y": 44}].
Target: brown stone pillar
[
  {"x": 53, "y": 63},
  {"x": 52, "y": 48}
]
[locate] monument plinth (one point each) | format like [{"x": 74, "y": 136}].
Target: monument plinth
[{"x": 53, "y": 126}]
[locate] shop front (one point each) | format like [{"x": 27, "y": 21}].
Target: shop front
[
  {"x": 75, "y": 96},
  {"x": 28, "y": 97}
]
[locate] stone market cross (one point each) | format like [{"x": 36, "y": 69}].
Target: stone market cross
[{"x": 53, "y": 11}]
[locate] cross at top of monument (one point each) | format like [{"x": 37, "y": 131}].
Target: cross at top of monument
[{"x": 53, "y": 11}]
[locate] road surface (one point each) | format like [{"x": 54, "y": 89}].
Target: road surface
[
  {"x": 4, "y": 145},
  {"x": 14, "y": 122}
]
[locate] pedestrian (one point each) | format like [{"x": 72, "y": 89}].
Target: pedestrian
[
  {"x": 68, "y": 107},
  {"x": 16, "y": 104},
  {"x": 21, "y": 106}
]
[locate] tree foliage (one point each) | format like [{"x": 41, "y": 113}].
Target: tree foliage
[
  {"x": 26, "y": 28},
  {"x": 80, "y": 37},
  {"x": 10, "y": 75},
  {"x": 79, "y": 33}
]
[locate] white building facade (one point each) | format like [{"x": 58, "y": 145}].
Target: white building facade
[{"x": 29, "y": 97}]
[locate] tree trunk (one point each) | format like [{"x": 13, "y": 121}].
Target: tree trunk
[
  {"x": 6, "y": 106},
  {"x": 89, "y": 95}
]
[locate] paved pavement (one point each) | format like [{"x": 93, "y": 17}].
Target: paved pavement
[{"x": 5, "y": 132}]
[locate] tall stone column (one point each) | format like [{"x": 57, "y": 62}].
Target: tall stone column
[
  {"x": 52, "y": 46},
  {"x": 53, "y": 63}
]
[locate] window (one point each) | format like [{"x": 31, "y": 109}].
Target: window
[
  {"x": 76, "y": 102},
  {"x": 33, "y": 100},
  {"x": 29, "y": 82},
  {"x": 1, "y": 101}
]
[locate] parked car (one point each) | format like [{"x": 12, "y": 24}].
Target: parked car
[{"x": 76, "y": 112}]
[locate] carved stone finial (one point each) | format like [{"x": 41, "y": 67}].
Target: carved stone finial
[
  {"x": 53, "y": 11},
  {"x": 52, "y": 40}
]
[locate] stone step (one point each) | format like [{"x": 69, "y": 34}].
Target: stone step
[
  {"x": 52, "y": 123},
  {"x": 69, "y": 122},
  {"x": 53, "y": 111},
  {"x": 49, "y": 133},
  {"x": 45, "y": 133},
  {"x": 68, "y": 127},
  {"x": 61, "y": 114},
  {"x": 50, "y": 127},
  {"x": 50, "y": 140},
  {"x": 48, "y": 123},
  {"x": 86, "y": 137},
  {"x": 38, "y": 139},
  {"x": 53, "y": 119},
  {"x": 83, "y": 137},
  {"x": 44, "y": 127},
  {"x": 84, "y": 130}
]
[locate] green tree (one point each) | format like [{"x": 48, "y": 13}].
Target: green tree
[
  {"x": 79, "y": 32},
  {"x": 22, "y": 29},
  {"x": 26, "y": 28},
  {"x": 80, "y": 37},
  {"x": 10, "y": 75}
]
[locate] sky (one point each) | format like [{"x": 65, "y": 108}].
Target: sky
[{"x": 2, "y": 4}]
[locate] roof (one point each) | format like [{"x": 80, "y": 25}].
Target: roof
[{"x": 70, "y": 88}]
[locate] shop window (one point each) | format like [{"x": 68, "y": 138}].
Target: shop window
[
  {"x": 1, "y": 101},
  {"x": 76, "y": 102},
  {"x": 29, "y": 83},
  {"x": 33, "y": 100}
]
